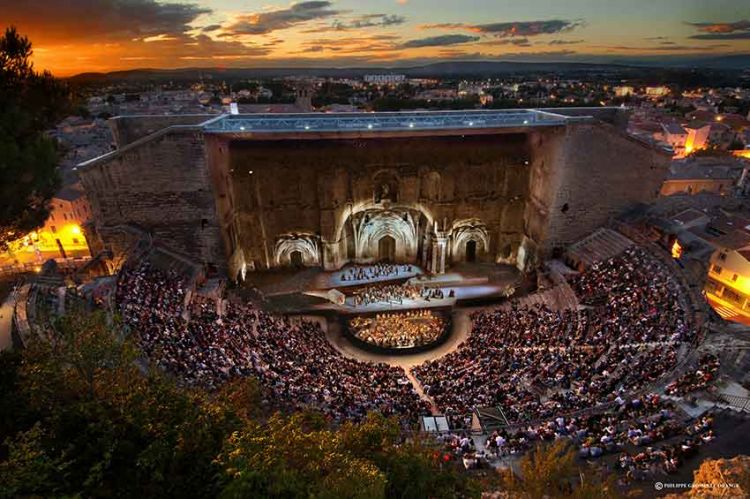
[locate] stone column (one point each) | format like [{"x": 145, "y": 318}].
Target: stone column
[{"x": 439, "y": 246}]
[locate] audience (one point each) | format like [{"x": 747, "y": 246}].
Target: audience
[
  {"x": 293, "y": 361},
  {"x": 535, "y": 363},
  {"x": 573, "y": 374},
  {"x": 693, "y": 381}
]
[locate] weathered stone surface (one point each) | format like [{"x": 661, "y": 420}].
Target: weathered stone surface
[{"x": 508, "y": 196}]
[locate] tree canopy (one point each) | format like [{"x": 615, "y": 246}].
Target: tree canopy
[{"x": 30, "y": 103}]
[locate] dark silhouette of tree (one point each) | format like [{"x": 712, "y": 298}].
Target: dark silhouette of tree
[{"x": 30, "y": 103}]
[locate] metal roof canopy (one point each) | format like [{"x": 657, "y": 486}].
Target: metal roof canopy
[{"x": 392, "y": 121}]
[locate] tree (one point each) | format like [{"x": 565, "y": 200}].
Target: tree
[
  {"x": 551, "y": 470},
  {"x": 726, "y": 477},
  {"x": 30, "y": 103}
]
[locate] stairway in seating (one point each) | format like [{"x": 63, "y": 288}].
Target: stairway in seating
[
  {"x": 559, "y": 297},
  {"x": 601, "y": 245}
]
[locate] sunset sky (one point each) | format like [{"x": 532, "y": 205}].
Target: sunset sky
[{"x": 73, "y": 36}]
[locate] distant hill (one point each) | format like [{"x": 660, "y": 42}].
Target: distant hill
[{"x": 437, "y": 69}]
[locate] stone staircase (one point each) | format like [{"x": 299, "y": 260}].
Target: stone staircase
[
  {"x": 559, "y": 297},
  {"x": 601, "y": 245}
]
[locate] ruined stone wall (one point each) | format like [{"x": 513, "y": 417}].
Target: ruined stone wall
[
  {"x": 128, "y": 129},
  {"x": 591, "y": 174},
  {"x": 161, "y": 186}
]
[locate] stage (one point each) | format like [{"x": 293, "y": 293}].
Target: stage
[{"x": 308, "y": 291}]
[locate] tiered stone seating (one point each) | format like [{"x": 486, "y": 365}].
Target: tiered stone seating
[{"x": 597, "y": 247}]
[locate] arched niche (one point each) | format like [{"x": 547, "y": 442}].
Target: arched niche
[
  {"x": 297, "y": 250},
  {"x": 469, "y": 240}
]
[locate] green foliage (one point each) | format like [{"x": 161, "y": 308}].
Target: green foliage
[
  {"x": 30, "y": 103},
  {"x": 28, "y": 468}
]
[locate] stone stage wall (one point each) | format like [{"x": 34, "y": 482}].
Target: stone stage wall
[{"x": 512, "y": 195}]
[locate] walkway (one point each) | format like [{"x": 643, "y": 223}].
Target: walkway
[
  {"x": 461, "y": 327},
  {"x": 6, "y": 322}
]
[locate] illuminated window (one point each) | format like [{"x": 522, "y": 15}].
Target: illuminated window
[{"x": 732, "y": 296}]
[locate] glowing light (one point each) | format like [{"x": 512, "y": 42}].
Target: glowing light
[
  {"x": 676, "y": 250},
  {"x": 75, "y": 230}
]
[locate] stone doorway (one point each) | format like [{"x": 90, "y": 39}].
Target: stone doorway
[
  {"x": 295, "y": 258},
  {"x": 471, "y": 251},
  {"x": 387, "y": 249}
]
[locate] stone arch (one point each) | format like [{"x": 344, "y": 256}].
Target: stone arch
[
  {"x": 306, "y": 245},
  {"x": 464, "y": 231},
  {"x": 371, "y": 226}
]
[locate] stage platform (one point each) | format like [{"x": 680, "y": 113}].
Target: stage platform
[{"x": 307, "y": 291}]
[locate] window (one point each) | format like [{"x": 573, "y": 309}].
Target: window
[
  {"x": 732, "y": 296},
  {"x": 54, "y": 229},
  {"x": 734, "y": 277},
  {"x": 75, "y": 240},
  {"x": 717, "y": 269},
  {"x": 722, "y": 256}
]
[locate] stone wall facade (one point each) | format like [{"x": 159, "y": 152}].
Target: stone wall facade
[
  {"x": 253, "y": 201},
  {"x": 162, "y": 187}
]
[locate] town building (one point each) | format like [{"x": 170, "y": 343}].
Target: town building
[{"x": 385, "y": 79}]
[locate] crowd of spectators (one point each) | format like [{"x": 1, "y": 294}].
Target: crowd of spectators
[
  {"x": 693, "y": 381},
  {"x": 536, "y": 363},
  {"x": 399, "y": 330},
  {"x": 646, "y": 463},
  {"x": 571, "y": 373},
  {"x": 293, "y": 360}
]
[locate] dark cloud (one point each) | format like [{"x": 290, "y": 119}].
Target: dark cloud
[
  {"x": 50, "y": 21},
  {"x": 211, "y": 27},
  {"x": 671, "y": 47},
  {"x": 738, "y": 30},
  {"x": 351, "y": 45},
  {"x": 518, "y": 42},
  {"x": 742, "y": 35},
  {"x": 265, "y": 22},
  {"x": 439, "y": 41},
  {"x": 360, "y": 22},
  {"x": 743, "y": 25},
  {"x": 565, "y": 42},
  {"x": 444, "y": 26},
  {"x": 377, "y": 20},
  {"x": 527, "y": 28}
]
